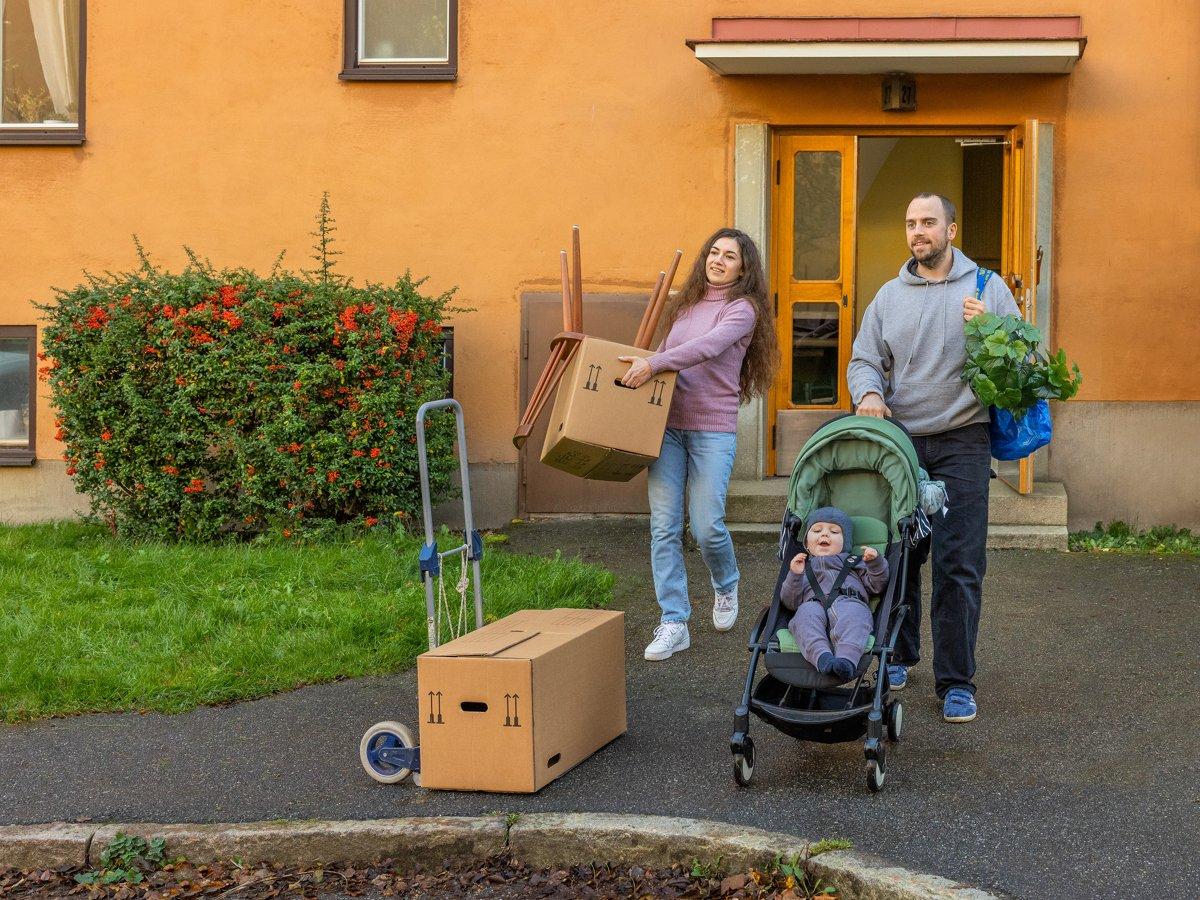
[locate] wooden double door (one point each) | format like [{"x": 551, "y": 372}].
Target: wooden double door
[{"x": 838, "y": 202}]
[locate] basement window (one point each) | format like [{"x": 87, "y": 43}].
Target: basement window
[{"x": 18, "y": 401}]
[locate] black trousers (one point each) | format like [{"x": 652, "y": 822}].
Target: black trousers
[{"x": 962, "y": 459}]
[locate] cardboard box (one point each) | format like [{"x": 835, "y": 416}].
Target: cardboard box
[
  {"x": 599, "y": 428},
  {"x": 517, "y": 703}
]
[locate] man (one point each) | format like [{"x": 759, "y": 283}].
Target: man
[{"x": 908, "y": 362}]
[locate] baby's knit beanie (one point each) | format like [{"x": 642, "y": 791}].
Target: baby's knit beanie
[{"x": 834, "y": 516}]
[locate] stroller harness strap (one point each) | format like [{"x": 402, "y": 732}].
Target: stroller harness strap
[{"x": 835, "y": 590}]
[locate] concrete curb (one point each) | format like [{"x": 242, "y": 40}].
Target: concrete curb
[
  {"x": 560, "y": 839},
  {"x": 539, "y": 839}
]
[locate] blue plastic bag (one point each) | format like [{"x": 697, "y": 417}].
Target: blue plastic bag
[{"x": 1014, "y": 438}]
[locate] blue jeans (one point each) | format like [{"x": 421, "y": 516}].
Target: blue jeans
[{"x": 700, "y": 463}]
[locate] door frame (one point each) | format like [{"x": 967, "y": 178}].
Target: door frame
[{"x": 1016, "y": 217}]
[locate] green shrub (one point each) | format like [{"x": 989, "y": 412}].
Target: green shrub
[{"x": 210, "y": 403}]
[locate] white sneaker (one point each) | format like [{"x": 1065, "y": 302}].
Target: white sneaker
[
  {"x": 725, "y": 609},
  {"x": 669, "y": 637}
]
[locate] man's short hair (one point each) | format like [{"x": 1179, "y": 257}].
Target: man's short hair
[{"x": 947, "y": 205}]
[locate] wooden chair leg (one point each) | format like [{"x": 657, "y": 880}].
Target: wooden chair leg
[
  {"x": 641, "y": 332},
  {"x": 577, "y": 287},
  {"x": 568, "y": 302},
  {"x": 562, "y": 348},
  {"x": 661, "y": 302}
]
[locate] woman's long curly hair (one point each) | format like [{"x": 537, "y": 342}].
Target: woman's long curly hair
[{"x": 762, "y": 356}]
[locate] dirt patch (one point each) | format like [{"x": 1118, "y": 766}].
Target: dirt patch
[{"x": 500, "y": 877}]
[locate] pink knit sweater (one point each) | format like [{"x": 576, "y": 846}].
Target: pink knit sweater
[{"x": 706, "y": 346}]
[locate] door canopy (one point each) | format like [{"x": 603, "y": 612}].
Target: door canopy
[{"x": 879, "y": 46}]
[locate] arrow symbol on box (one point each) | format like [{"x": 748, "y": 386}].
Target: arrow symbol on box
[
  {"x": 516, "y": 711},
  {"x": 507, "y": 713},
  {"x": 439, "y": 716}
]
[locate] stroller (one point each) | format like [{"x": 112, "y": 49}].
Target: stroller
[{"x": 867, "y": 467}]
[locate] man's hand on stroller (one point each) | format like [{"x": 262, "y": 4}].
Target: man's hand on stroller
[
  {"x": 797, "y": 563},
  {"x": 872, "y": 405}
]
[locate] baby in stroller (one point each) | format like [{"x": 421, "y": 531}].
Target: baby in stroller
[{"x": 828, "y": 587}]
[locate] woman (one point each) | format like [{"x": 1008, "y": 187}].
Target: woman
[{"x": 721, "y": 341}]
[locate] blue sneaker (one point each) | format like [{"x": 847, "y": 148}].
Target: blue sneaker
[
  {"x": 959, "y": 706},
  {"x": 898, "y": 677}
]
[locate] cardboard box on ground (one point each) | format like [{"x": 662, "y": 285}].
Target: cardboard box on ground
[
  {"x": 515, "y": 704},
  {"x": 599, "y": 428}
]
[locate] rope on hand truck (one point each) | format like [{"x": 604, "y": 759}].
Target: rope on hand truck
[{"x": 457, "y": 627}]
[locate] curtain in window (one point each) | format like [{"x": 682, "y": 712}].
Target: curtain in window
[{"x": 50, "y": 31}]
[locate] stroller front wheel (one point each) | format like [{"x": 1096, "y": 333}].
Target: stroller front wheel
[
  {"x": 875, "y": 776},
  {"x": 743, "y": 764}
]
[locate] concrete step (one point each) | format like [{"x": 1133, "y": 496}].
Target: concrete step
[
  {"x": 753, "y": 502},
  {"x": 1047, "y": 505},
  {"x": 1000, "y": 537},
  {"x": 1027, "y": 537}
]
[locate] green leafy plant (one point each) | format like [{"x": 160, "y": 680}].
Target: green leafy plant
[
  {"x": 1120, "y": 537},
  {"x": 128, "y": 859},
  {"x": 795, "y": 873},
  {"x": 1006, "y": 369},
  {"x": 206, "y": 404},
  {"x": 706, "y": 870}
]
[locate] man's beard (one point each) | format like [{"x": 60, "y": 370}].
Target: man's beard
[{"x": 935, "y": 257}]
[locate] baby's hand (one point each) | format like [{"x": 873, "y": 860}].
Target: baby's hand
[
  {"x": 797, "y": 563},
  {"x": 869, "y": 553}
]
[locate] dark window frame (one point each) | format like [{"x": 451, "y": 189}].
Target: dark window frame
[
  {"x": 71, "y": 137},
  {"x": 352, "y": 70},
  {"x": 27, "y": 455}
]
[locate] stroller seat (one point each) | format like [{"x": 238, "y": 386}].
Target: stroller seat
[{"x": 783, "y": 659}]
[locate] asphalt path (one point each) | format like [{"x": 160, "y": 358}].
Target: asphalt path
[{"x": 1078, "y": 779}]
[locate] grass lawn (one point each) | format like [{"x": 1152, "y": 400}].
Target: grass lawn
[{"x": 90, "y": 623}]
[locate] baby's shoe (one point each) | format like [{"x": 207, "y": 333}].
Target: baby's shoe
[{"x": 844, "y": 668}]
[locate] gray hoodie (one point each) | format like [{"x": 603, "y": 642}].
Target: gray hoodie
[{"x": 911, "y": 348}]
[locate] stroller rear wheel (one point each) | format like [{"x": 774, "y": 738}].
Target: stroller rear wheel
[
  {"x": 743, "y": 763},
  {"x": 895, "y": 721},
  {"x": 875, "y": 776}
]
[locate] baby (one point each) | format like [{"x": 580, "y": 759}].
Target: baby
[{"x": 846, "y": 621}]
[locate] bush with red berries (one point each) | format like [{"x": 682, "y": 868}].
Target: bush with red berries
[{"x": 209, "y": 404}]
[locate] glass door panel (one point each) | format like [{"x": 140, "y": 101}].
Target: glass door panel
[
  {"x": 815, "y": 373},
  {"x": 813, "y": 268},
  {"x": 817, "y": 216}
]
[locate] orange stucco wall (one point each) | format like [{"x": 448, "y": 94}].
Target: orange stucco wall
[{"x": 221, "y": 128}]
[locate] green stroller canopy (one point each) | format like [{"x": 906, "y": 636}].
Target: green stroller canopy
[{"x": 863, "y": 465}]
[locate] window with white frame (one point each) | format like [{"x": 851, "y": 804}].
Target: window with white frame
[
  {"x": 18, "y": 404},
  {"x": 41, "y": 71},
  {"x": 401, "y": 40}
]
